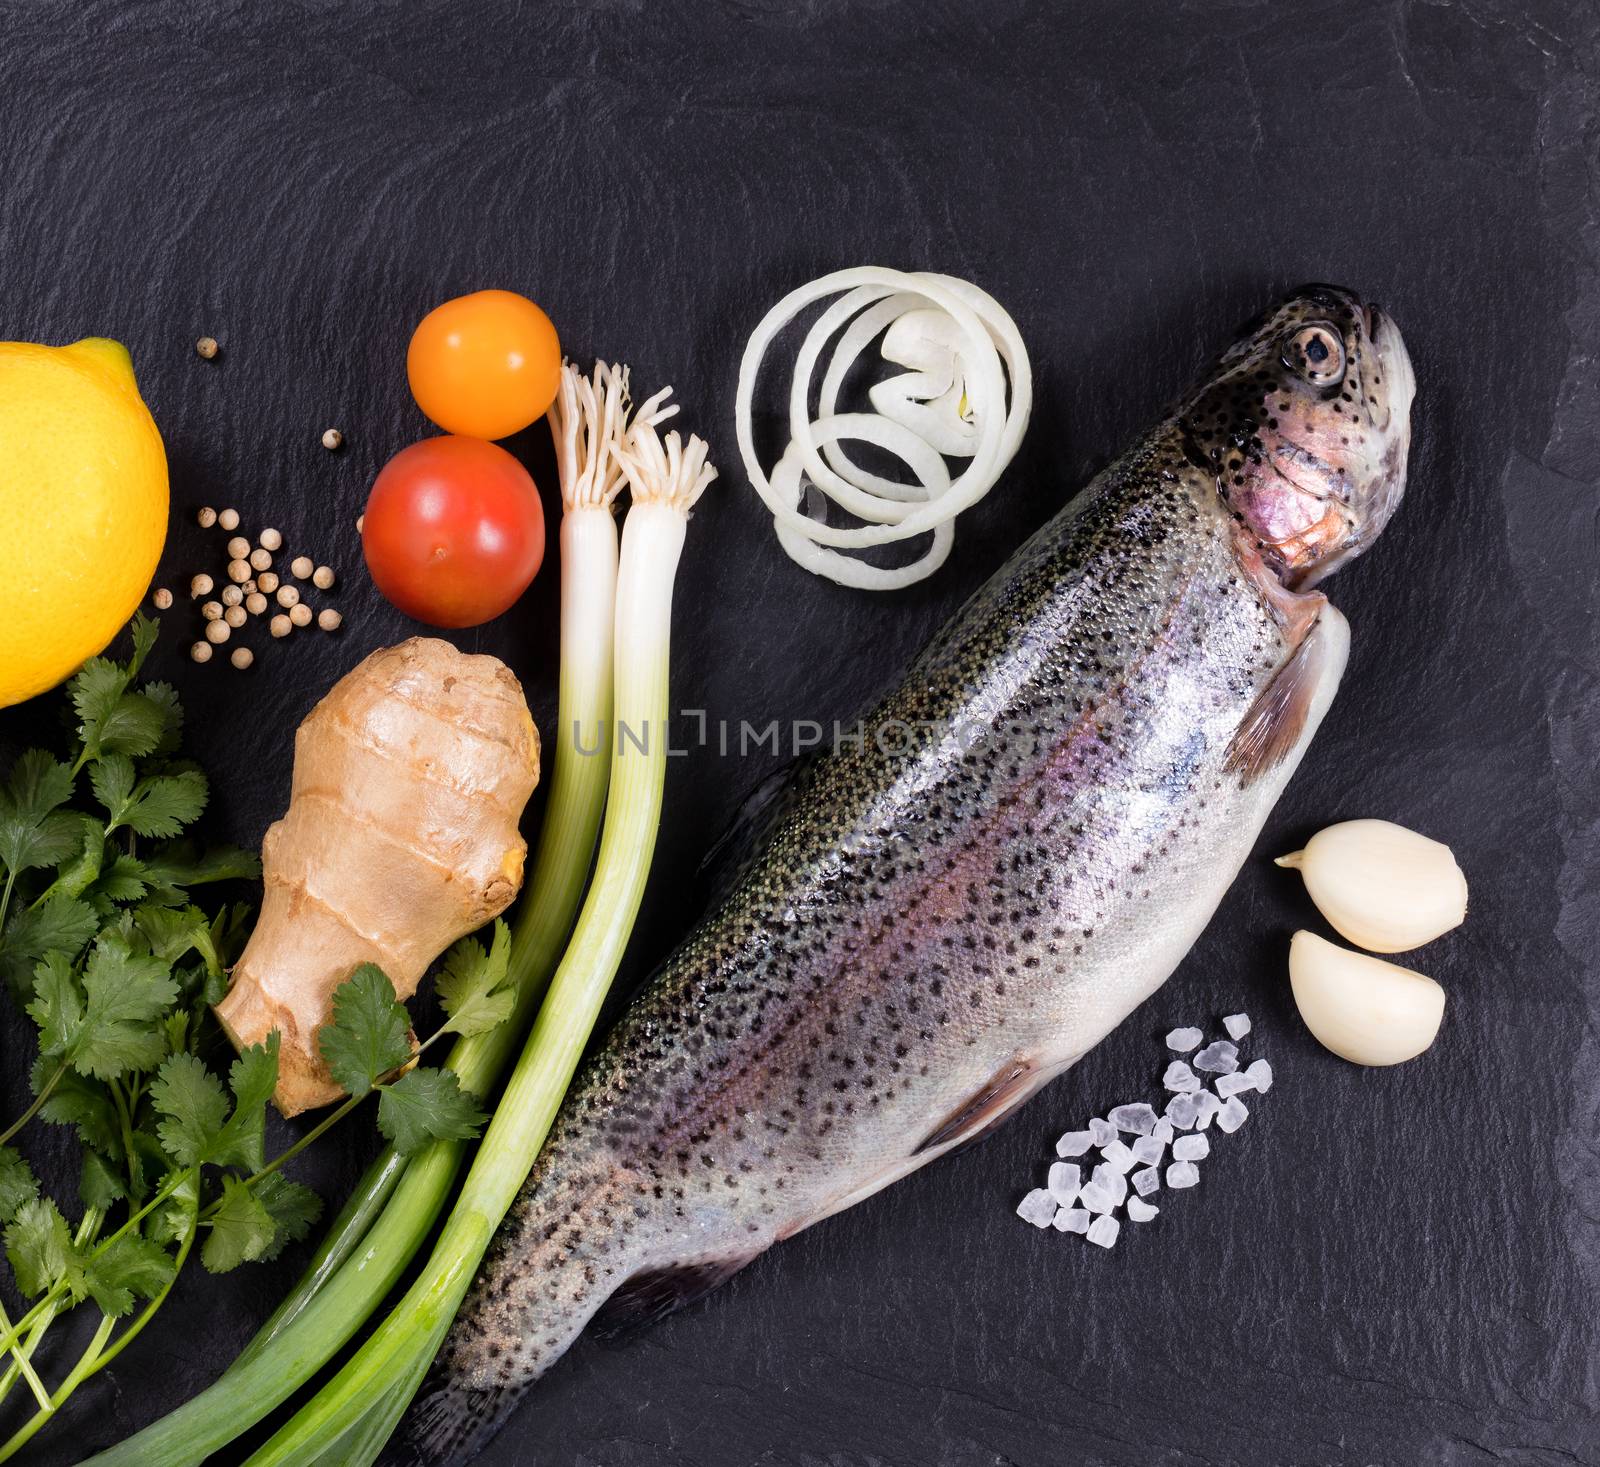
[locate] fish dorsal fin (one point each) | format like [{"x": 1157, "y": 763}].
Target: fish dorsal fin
[
  {"x": 655, "y": 1292},
  {"x": 986, "y": 1107},
  {"x": 1271, "y": 727},
  {"x": 750, "y": 830}
]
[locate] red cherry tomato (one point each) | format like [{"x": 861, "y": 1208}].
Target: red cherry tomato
[{"x": 454, "y": 531}]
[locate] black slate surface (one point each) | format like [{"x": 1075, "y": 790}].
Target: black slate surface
[{"x": 1398, "y": 1267}]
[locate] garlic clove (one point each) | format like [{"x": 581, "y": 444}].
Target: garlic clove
[
  {"x": 1384, "y": 887},
  {"x": 1363, "y": 1009}
]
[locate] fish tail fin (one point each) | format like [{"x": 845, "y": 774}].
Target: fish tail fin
[
  {"x": 449, "y": 1422},
  {"x": 556, "y": 1258}
]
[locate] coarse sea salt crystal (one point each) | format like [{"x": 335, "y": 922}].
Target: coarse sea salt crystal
[
  {"x": 1137, "y": 1120},
  {"x": 1237, "y": 1025},
  {"x": 1074, "y": 1143},
  {"x": 1112, "y": 1182},
  {"x": 1146, "y": 1181},
  {"x": 1101, "y": 1132},
  {"x": 1163, "y": 1131},
  {"x": 1148, "y": 1150},
  {"x": 1220, "y": 1058},
  {"x": 1095, "y": 1197},
  {"x": 1260, "y": 1073},
  {"x": 1141, "y": 1211},
  {"x": 1072, "y": 1220},
  {"x": 1065, "y": 1179},
  {"x": 1038, "y": 1208},
  {"x": 1183, "y": 1040},
  {"x": 1191, "y": 1148},
  {"x": 1182, "y": 1174},
  {"x": 1180, "y": 1077},
  {"x": 1183, "y": 1109},
  {"x": 1208, "y": 1105},
  {"x": 1103, "y": 1231},
  {"x": 1233, "y": 1115},
  {"x": 1232, "y": 1084},
  {"x": 1118, "y": 1154}
]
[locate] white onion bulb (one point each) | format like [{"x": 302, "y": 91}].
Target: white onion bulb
[{"x": 961, "y": 347}]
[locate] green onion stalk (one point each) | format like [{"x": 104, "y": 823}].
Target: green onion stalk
[
  {"x": 399, "y": 1199},
  {"x": 351, "y": 1417}
]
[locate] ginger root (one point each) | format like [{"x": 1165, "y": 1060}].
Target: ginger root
[{"x": 401, "y": 836}]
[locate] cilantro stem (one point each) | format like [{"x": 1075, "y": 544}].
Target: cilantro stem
[
  {"x": 5, "y": 896},
  {"x": 128, "y": 1335},
  {"x": 88, "y": 1227},
  {"x": 19, "y": 1355},
  {"x": 86, "y": 1366},
  {"x": 33, "y": 1110}
]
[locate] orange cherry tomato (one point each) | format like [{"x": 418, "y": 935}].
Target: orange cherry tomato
[
  {"x": 484, "y": 365},
  {"x": 454, "y": 531}
]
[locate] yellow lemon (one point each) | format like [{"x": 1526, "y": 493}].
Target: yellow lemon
[{"x": 83, "y": 507}]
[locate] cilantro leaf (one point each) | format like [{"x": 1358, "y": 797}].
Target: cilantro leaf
[
  {"x": 130, "y": 1266},
  {"x": 32, "y": 832},
  {"x": 241, "y": 1228},
  {"x": 18, "y": 1185},
  {"x": 57, "y": 1006},
  {"x": 173, "y": 1221},
  {"x": 124, "y": 882},
  {"x": 425, "y": 1105},
  {"x": 191, "y": 1100},
  {"x": 99, "y": 1183},
  {"x": 179, "y": 865},
  {"x": 135, "y": 725},
  {"x": 38, "y": 784},
  {"x": 112, "y": 780},
  {"x": 115, "y": 1027},
  {"x": 292, "y": 1207},
  {"x": 94, "y": 692},
  {"x": 145, "y": 632},
  {"x": 38, "y": 1246},
  {"x": 252, "y": 1078},
  {"x": 158, "y": 806},
  {"x": 59, "y": 923},
  {"x": 369, "y": 1034},
  {"x": 76, "y": 1101},
  {"x": 174, "y": 932},
  {"x": 78, "y": 873},
  {"x": 165, "y": 698},
  {"x": 471, "y": 988}
]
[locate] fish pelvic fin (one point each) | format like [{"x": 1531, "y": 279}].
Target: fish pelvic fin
[
  {"x": 1271, "y": 728},
  {"x": 654, "y": 1293},
  {"x": 986, "y": 1107}
]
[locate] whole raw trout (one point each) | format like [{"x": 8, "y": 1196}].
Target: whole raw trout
[{"x": 939, "y": 921}]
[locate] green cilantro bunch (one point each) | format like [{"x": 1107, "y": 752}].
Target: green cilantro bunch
[{"x": 106, "y": 946}]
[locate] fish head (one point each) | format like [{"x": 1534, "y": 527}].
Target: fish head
[{"x": 1306, "y": 423}]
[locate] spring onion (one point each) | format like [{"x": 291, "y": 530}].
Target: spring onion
[
  {"x": 398, "y": 1201},
  {"x": 351, "y": 1417}
]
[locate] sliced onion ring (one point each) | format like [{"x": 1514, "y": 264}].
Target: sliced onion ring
[{"x": 985, "y": 350}]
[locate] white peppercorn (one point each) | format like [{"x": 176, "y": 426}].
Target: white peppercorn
[
  {"x": 267, "y": 582},
  {"x": 238, "y": 548},
  {"x": 234, "y": 616},
  {"x": 239, "y": 571},
  {"x": 228, "y": 519},
  {"x": 302, "y": 566},
  {"x": 328, "y": 619},
  {"x": 242, "y": 658},
  {"x": 255, "y": 603},
  {"x": 162, "y": 598},
  {"x": 280, "y": 625},
  {"x": 218, "y": 632},
  {"x": 287, "y": 595},
  {"x": 201, "y": 651},
  {"x": 260, "y": 560},
  {"x": 207, "y": 517},
  {"x": 322, "y": 578},
  {"x": 232, "y": 595},
  {"x": 271, "y": 540},
  {"x": 200, "y": 586},
  {"x": 300, "y": 614}
]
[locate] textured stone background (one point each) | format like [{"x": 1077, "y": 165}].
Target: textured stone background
[{"x": 1382, "y": 1267}]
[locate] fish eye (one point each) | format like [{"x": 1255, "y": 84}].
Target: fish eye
[{"x": 1317, "y": 354}]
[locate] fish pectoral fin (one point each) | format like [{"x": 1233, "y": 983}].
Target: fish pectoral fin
[
  {"x": 1271, "y": 728},
  {"x": 654, "y": 1292},
  {"x": 976, "y": 1116}
]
